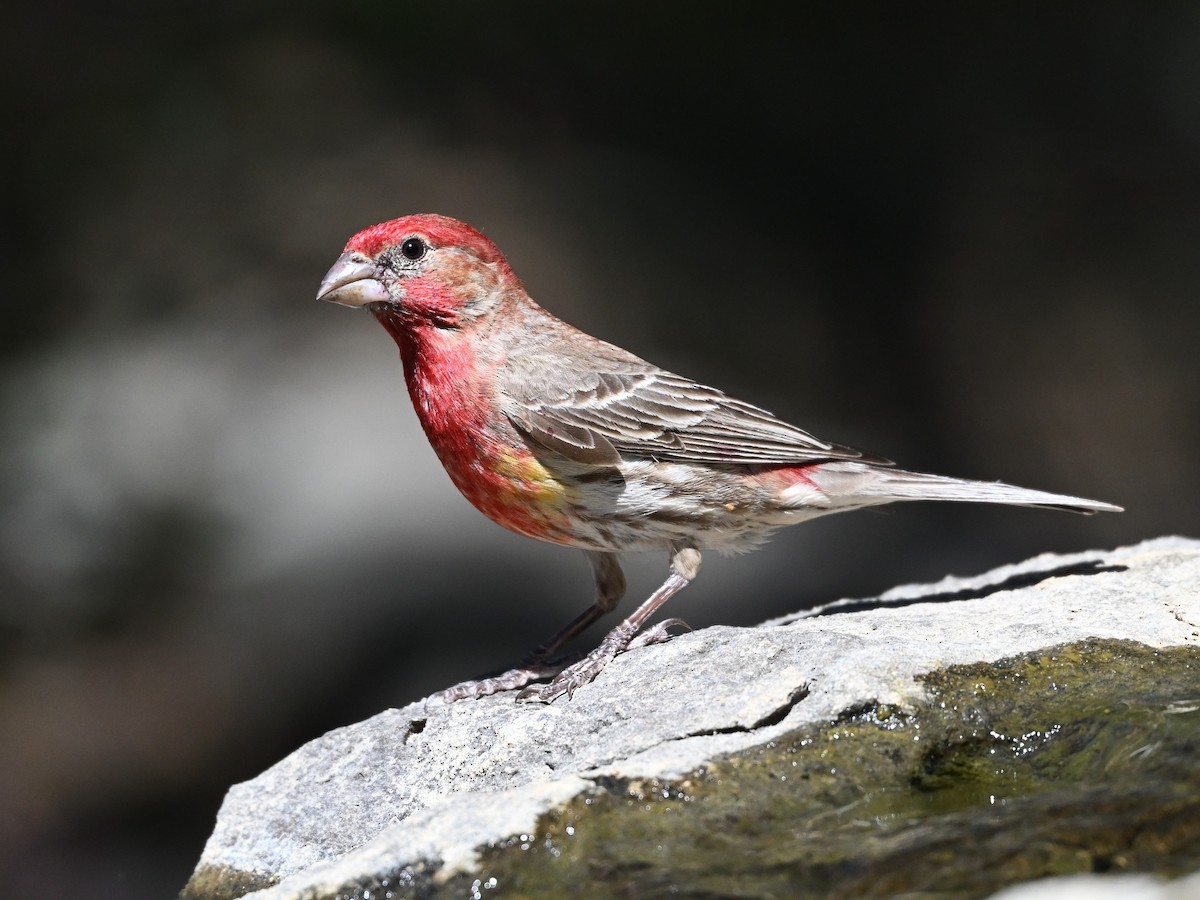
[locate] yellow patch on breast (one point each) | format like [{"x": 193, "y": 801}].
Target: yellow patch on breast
[{"x": 529, "y": 480}]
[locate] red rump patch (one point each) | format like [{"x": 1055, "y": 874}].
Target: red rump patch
[
  {"x": 438, "y": 231},
  {"x": 783, "y": 477},
  {"x": 799, "y": 474}
]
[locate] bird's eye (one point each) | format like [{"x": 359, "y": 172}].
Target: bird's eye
[{"x": 413, "y": 248}]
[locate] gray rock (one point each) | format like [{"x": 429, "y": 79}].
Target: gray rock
[{"x": 427, "y": 786}]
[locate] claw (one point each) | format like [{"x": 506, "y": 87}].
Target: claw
[{"x": 659, "y": 634}]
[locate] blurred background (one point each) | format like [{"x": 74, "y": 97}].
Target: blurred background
[{"x": 965, "y": 239}]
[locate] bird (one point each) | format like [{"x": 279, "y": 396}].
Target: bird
[{"x": 560, "y": 436}]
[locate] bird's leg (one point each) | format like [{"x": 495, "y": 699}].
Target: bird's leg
[
  {"x": 685, "y": 564},
  {"x": 610, "y": 588},
  {"x": 541, "y": 662}
]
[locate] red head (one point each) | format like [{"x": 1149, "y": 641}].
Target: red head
[
  {"x": 437, "y": 231},
  {"x": 427, "y": 269}
]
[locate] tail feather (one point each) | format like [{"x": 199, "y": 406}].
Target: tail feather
[{"x": 856, "y": 484}]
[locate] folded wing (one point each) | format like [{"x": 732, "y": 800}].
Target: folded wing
[{"x": 615, "y": 405}]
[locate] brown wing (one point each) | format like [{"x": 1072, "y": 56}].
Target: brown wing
[{"x": 611, "y": 404}]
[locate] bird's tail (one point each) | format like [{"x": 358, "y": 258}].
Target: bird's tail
[{"x": 855, "y": 484}]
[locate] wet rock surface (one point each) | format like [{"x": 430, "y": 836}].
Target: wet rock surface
[{"x": 949, "y": 739}]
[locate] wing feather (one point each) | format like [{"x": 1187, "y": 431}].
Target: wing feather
[{"x": 616, "y": 405}]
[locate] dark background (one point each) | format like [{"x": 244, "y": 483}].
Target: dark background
[{"x": 968, "y": 240}]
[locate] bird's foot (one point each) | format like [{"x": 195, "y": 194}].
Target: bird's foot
[
  {"x": 568, "y": 672},
  {"x": 585, "y": 671},
  {"x": 531, "y": 670},
  {"x": 572, "y": 677},
  {"x": 659, "y": 633}
]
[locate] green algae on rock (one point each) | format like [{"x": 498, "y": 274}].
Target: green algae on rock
[
  {"x": 1079, "y": 758},
  {"x": 220, "y": 882}
]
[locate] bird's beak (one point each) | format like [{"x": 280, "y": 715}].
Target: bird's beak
[{"x": 352, "y": 282}]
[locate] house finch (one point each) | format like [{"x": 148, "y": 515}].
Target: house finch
[{"x": 559, "y": 436}]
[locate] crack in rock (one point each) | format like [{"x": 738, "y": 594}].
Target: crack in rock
[{"x": 772, "y": 718}]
